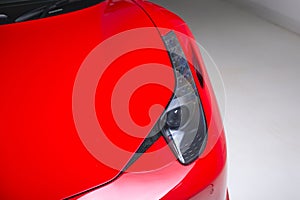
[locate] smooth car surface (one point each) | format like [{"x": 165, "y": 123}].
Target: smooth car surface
[{"x": 54, "y": 91}]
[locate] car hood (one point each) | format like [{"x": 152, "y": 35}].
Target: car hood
[{"x": 42, "y": 153}]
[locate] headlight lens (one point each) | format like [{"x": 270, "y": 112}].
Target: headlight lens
[{"x": 183, "y": 123}]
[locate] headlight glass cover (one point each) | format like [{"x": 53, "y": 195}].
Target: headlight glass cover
[{"x": 183, "y": 122}]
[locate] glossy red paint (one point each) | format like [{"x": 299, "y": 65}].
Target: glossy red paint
[
  {"x": 205, "y": 178},
  {"x": 42, "y": 156}
]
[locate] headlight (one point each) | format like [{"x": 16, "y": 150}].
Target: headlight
[{"x": 183, "y": 123}]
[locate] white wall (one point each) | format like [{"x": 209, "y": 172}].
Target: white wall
[
  {"x": 289, "y": 8},
  {"x": 285, "y": 13}
]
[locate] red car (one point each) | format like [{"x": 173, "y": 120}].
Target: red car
[{"x": 105, "y": 100}]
